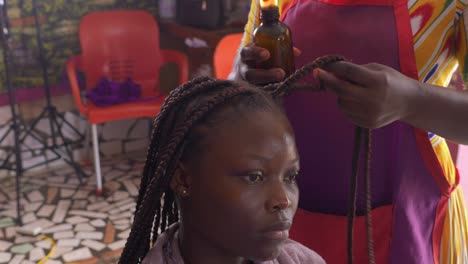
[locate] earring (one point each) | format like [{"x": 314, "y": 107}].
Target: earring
[{"x": 184, "y": 192}]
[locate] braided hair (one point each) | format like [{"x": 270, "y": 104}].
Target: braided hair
[{"x": 175, "y": 137}]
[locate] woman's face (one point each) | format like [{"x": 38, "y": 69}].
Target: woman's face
[{"x": 242, "y": 193}]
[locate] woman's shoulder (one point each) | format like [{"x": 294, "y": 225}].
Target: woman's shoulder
[{"x": 295, "y": 253}]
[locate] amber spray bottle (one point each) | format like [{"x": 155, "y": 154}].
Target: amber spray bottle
[{"x": 274, "y": 36}]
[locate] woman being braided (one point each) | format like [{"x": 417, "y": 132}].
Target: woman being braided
[{"x": 219, "y": 183}]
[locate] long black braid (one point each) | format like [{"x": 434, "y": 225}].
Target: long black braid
[{"x": 185, "y": 108}]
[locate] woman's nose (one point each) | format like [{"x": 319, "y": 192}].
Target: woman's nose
[{"x": 278, "y": 198}]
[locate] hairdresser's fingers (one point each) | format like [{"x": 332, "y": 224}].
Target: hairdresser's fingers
[
  {"x": 353, "y": 73},
  {"x": 331, "y": 83},
  {"x": 375, "y": 66},
  {"x": 353, "y": 112},
  {"x": 252, "y": 54},
  {"x": 367, "y": 112},
  {"x": 260, "y": 76}
]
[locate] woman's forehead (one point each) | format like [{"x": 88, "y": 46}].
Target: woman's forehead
[{"x": 250, "y": 131}]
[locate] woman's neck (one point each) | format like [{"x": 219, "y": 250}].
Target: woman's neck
[{"x": 195, "y": 249}]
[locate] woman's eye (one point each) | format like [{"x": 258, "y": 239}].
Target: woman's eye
[
  {"x": 253, "y": 177},
  {"x": 291, "y": 177}
]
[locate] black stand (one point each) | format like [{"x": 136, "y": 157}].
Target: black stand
[
  {"x": 15, "y": 126},
  {"x": 50, "y": 111},
  {"x": 21, "y": 131}
]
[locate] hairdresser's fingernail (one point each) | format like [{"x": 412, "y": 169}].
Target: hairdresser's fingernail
[
  {"x": 264, "y": 54},
  {"x": 280, "y": 73},
  {"x": 317, "y": 72},
  {"x": 320, "y": 73},
  {"x": 297, "y": 52}
]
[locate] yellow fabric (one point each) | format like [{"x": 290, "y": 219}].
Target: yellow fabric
[{"x": 440, "y": 46}]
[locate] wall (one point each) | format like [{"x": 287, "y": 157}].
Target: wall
[{"x": 59, "y": 24}]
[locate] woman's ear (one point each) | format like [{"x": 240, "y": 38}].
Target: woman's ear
[{"x": 181, "y": 181}]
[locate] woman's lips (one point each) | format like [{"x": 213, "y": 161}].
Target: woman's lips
[{"x": 277, "y": 231}]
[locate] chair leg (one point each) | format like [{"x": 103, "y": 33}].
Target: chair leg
[{"x": 97, "y": 162}]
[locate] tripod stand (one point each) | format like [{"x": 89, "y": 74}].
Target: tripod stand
[
  {"x": 50, "y": 111},
  {"x": 21, "y": 131},
  {"x": 15, "y": 125}
]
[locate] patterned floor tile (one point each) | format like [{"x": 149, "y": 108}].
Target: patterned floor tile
[
  {"x": 98, "y": 223},
  {"x": 77, "y": 220},
  {"x": 61, "y": 211},
  {"x": 124, "y": 234},
  {"x": 45, "y": 244},
  {"x": 85, "y": 228},
  {"x": 64, "y": 234},
  {"x": 6, "y": 221},
  {"x": 97, "y": 246},
  {"x": 29, "y": 217},
  {"x": 90, "y": 235},
  {"x": 73, "y": 242},
  {"x": 36, "y": 254},
  {"x": 58, "y": 228},
  {"x": 118, "y": 244},
  {"x": 17, "y": 259},
  {"x": 29, "y": 207},
  {"x": 46, "y": 211},
  {"x": 66, "y": 193},
  {"x": 79, "y": 254},
  {"x": 5, "y": 257},
  {"x": 4, "y": 245},
  {"x": 22, "y": 249}
]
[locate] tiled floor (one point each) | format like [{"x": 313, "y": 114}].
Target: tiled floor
[{"x": 85, "y": 228}]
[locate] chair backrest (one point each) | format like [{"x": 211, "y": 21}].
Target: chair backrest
[
  {"x": 224, "y": 55},
  {"x": 121, "y": 44}
]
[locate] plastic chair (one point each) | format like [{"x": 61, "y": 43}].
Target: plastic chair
[
  {"x": 225, "y": 54},
  {"x": 120, "y": 45}
]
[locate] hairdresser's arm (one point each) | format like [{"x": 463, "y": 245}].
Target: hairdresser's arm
[{"x": 375, "y": 95}]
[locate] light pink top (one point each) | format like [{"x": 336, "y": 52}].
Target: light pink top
[{"x": 166, "y": 251}]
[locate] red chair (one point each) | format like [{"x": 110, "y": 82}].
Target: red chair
[
  {"x": 120, "y": 45},
  {"x": 224, "y": 55}
]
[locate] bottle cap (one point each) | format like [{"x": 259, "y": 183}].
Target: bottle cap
[{"x": 268, "y": 3}]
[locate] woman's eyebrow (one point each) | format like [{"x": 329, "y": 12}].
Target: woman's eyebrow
[
  {"x": 258, "y": 157},
  {"x": 262, "y": 158}
]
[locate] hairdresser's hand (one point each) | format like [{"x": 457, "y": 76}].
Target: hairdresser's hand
[
  {"x": 371, "y": 95},
  {"x": 252, "y": 55}
]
